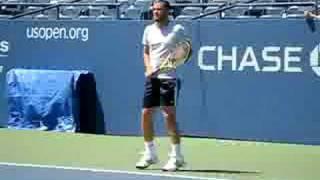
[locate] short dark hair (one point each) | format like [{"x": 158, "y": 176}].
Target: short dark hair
[{"x": 164, "y": 2}]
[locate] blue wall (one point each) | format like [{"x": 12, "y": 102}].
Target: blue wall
[{"x": 241, "y": 99}]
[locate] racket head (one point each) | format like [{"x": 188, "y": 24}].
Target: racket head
[{"x": 179, "y": 55}]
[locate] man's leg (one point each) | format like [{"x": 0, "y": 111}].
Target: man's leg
[
  {"x": 176, "y": 159},
  {"x": 169, "y": 114},
  {"x": 147, "y": 124},
  {"x": 149, "y": 156},
  {"x": 148, "y": 132},
  {"x": 168, "y": 101}
]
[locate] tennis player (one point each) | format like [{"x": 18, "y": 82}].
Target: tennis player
[{"x": 160, "y": 89}]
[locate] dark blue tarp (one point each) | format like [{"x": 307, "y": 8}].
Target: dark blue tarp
[{"x": 42, "y": 99}]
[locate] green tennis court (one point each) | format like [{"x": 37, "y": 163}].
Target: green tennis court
[{"x": 205, "y": 157}]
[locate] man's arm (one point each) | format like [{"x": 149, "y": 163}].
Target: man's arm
[{"x": 146, "y": 59}]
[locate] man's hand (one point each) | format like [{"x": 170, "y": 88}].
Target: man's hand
[
  {"x": 177, "y": 28},
  {"x": 148, "y": 72}
]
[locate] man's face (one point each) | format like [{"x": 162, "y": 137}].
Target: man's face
[{"x": 160, "y": 12}]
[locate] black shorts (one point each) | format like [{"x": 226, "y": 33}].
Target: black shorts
[{"x": 159, "y": 92}]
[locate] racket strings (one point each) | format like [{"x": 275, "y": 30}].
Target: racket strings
[{"x": 176, "y": 57}]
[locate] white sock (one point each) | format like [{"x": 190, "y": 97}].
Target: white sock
[
  {"x": 176, "y": 150},
  {"x": 150, "y": 147}
]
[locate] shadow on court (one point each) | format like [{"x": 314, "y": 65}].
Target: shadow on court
[
  {"x": 212, "y": 171},
  {"x": 219, "y": 171}
]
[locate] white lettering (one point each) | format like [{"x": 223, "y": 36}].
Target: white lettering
[
  {"x": 4, "y": 46},
  {"x": 29, "y": 33},
  {"x": 42, "y": 33},
  {"x": 291, "y": 59},
  {"x": 84, "y": 34},
  {"x": 201, "y": 63},
  {"x": 63, "y": 32},
  {"x": 55, "y": 33},
  {"x": 274, "y": 59},
  {"x": 249, "y": 60},
  {"x": 232, "y": 58},
  {"x": 48, "y": 33},
  {"x": 271, "y": 60},
  {"x": 35, "y": 31}
]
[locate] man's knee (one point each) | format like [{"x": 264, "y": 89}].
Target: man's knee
[
  {"x": 147, "y": 111},
  {"x": 169, "y": 113}
]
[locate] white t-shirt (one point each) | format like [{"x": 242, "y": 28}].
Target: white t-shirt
[{"x": 160, "y": 40}]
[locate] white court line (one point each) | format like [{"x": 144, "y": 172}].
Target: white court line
[{"x": 107, "y": 171}]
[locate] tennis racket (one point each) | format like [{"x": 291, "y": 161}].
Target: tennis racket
[{"x": 178, "y": 55}]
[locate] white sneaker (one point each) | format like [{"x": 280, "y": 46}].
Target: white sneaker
[
  {"x": 146, "y": 160},
  {"x": 174, "y": 163}
]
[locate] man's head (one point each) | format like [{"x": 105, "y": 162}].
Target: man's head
[{"x": 160, "y": 9}]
